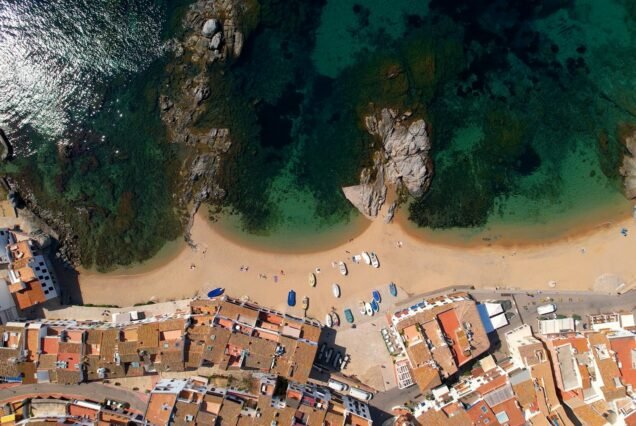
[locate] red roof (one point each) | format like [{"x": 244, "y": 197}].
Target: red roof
[
  {"x": 50, "y": 345},
  {"x": 515, "y": 416},
  {"x": 450, "y": 325},
  {"x": 481, "y": 414},
  {"x": 623, "y": 346}
]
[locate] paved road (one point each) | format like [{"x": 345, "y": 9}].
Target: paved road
[{"x": 92, "y": 391}]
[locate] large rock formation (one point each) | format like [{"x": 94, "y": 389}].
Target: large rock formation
[
  {"x": 212, "y": 36},
  {"x": 628, "y": 168},
  {"x": 403, "y": 159}
]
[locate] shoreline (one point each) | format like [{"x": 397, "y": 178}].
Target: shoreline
[
  {"x": 586, "y": 261},
  {"x": 457, "y": 238}
]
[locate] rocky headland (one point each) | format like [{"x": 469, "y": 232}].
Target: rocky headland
[
  {"x": 214, "y": 32},
  {"x": 402, "y": 162},
  {"x": 628, "y": 167}
]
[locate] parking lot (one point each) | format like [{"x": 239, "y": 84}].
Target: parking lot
[{"x": 364, "y": 346}]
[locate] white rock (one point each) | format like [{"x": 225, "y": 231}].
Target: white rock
[
  {"x": 216, "y": 41},
  {"x": 210, "y": 27}
]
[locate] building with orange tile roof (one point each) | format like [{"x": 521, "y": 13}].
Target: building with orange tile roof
[
  {"x": 270, "y": 401},
  {"x": 439, "y": 335},
  {"x": 31, "y": 278},
  {"x": 624, "y": 347}
]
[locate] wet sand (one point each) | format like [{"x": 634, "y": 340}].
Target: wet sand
[{"x": 575, "y": 262}]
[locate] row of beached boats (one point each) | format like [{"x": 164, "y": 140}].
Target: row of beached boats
[
  {"x": 370, "y": 308},
  {"x": 368, "y": 258},
  {"x": 365, "y": 308}
]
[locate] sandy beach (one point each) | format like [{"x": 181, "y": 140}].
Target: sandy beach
[{"x": 415, "y": 265}]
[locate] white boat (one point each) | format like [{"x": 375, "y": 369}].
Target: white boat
[
  {"x": 312, "y": 279},
  {"x": 374, "y": 260},
  {"x": 328, "y": 320},
  {"x": 361, "y": 308},
  {"x": 335, "y": 318},
  {"x": 342, "y": 267},
  {"x": 336, "y": 289},
  {"x": 366, "y": 257},
  {"x": 368, "y": 309}
]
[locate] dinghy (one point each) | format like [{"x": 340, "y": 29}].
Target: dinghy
[
  {"x": 336, "y": 289},
  {"x": 368, "y": 309},
  {"x": 348, "y": 315},
  {"x": 361, "y": 308},
  {"x": 216, "y": 292},
  {"x": 375, "y": 306},
  {"x": 393, "y": 289},
  {"x": 291, "y": 298},
  {"x": 312, "y": 279},
  {"x": 342, "y": 268},
  {"x": 328, "y": 320},
  {"x": 366, "y": 257},
  {"x": 335, "y": 318},
  {"x": 376, "y": 296},
  {"x": 374, "y": 260},
  {"x": 305, "y": 303}
]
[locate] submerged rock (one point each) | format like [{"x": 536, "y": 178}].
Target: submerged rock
[
  {"x": 403, "y": 159},
  {"x": 628, "y": 168}
]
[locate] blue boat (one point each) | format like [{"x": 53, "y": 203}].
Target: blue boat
[
  {"x": 291, "y": 298},
  {"x": 375, "y": 306},
  {"x": 393, "y": 289},
  {"x": 348, "y": 315},
  {"x": 376, "y": 296},
  {"x": 216, "y": 292}
]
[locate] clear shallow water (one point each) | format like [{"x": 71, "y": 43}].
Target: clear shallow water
[{"x": 524, "y": 104}]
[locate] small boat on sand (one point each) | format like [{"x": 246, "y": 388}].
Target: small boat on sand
[
  {"x": 342, "y": 268},
  {"x": 348, "y": 315},
  {"x": 374, "y": 260},
  {"x": 366, "y": 257},
  {"x": 328, "y": 320},
  {"x": 375, "y": 306},
  {"x": 312, "y": 279},
  {"x": 368, "y": 309},
  {"x": 216, "y": 292},
  {"x": 393, "y": 289},
  {"x": 305, "y": 303},
  {"x": 361, "y": 307},
  {"x": 376, "y": 296},
  {"x": 291, "y": 298},
  {"x": 335, "y": 288},
  {"x": 335, "y": 318}
]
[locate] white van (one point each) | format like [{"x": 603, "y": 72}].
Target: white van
[
  {"x": 546, "y": 309},
  {"x": 337, "y": 386},
  {"x": 360, "y": 394}
]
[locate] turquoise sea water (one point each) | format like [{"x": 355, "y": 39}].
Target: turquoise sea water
[{"x": 524, "y": 101}]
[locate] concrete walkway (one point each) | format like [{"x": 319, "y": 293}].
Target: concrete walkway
[{"x": 92, "y": 391}]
